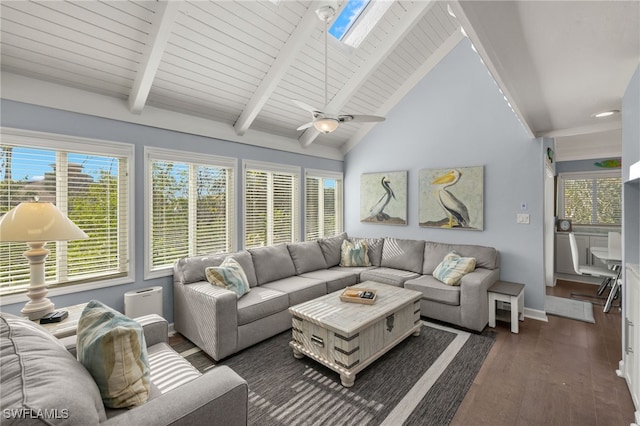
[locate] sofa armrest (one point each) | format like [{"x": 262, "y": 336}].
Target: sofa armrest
[
  {"x": 474, "y": 300},
  {"x": 210, "y": 317},
  {"x": 219, "y": 397},
  {"x": 155, "y": 328}
]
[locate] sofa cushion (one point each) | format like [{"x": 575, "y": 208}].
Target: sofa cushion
[
  {"x": 434, "y": 290},
  {"x": 192, "y": 269},
  {"x": 486, "y": 257},
  {"x": 37, "y": 373},
  {"x": 331, "y": 247},
  {"x": 112, "y": 348},
  {"x": 272, "y": 263},
  {"x": 168, "y": 369},
  {"x": 261, "y": 303},
  {"x": 299, "y": 289},
  {"x": 403, "y": 254},
  {"x": 374, "y": 249},
  {"x": 453, "y": 267},
  {"x": 354, "y": 254},
  {"x": 229, "y": 275},
  {"x": 245, "y": 260},
  {"x": 396, "y": 277},
  {"x": 336, "y": 280},
  {"x": 307, "y": 256}
]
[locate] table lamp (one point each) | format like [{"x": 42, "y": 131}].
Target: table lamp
[{"x": 36, "y": 223}]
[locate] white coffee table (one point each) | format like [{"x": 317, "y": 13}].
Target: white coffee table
[{"x": 347, "y": 337}]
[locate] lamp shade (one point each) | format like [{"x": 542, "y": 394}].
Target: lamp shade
[
  {"x": 34, "y": 221},
  {"x": 326, "y": 125}
]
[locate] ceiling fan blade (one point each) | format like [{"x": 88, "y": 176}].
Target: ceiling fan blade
[
  {"x": 306, "y": 107},
  {"x": 360, "y": 118},
  {"x": 305, "y": 126}
]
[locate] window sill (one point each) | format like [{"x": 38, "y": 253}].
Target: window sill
[{"x": 69, "y": 289}]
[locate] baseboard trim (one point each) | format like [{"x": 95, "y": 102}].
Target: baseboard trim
[
  {"x": 577, "y": 278},
  {"x": 172, "y": 330},
  {"x": 536, "y": 314}
]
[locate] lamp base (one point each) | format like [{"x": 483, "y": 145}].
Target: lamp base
[
  {"x": 35, "y": 311},
  {"x": 39, "y": 305}
]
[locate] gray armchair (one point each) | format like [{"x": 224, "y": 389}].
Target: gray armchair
[{"x": 42, "y": 382}]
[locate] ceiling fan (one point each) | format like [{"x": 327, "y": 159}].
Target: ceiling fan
[{"x": 324, "y": 121}]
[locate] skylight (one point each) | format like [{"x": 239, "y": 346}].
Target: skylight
[
  {"x": 349, "y": 15},
  {"x": 357, "y": 19}
]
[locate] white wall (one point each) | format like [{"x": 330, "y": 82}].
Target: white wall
[{"x": 456, "y": 117}]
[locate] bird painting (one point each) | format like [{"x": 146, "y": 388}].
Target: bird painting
[
  {"x": 377, "y": 210},
  {"x": 453, "y": 207},
  {"x": 383, "y": 198},
  {"x": 456, "y": 192}
]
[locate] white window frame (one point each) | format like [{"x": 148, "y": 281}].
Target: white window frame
[
  {"x": 163, "y": 154},
  {"x": 273, "y": 168},
  {"x": 596, "y": 174},
  {"x": 54, "y": 141},
  {"x": 324, "y": 174}
]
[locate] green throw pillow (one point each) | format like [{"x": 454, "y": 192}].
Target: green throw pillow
[
  {"x": 354, "y": 253},
  {"x": 229, "y": 275},
  {"x": 112, "y": 348},
  {"x": 453, "y": 267}
]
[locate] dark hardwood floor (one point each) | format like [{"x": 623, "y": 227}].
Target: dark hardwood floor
[{"x": 561, "y": 372}]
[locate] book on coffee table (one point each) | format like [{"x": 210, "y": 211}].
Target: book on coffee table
[{"x": 359, "y": 295}]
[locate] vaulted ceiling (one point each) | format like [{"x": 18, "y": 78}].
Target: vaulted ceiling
[{"x": 229, "y": 69}]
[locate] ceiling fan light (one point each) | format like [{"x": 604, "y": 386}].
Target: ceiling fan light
[{"x": 326, "y": 125}]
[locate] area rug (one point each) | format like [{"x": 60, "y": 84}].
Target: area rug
[
  {"x": 422, "y": 381},
  {"x": 569, "y": 308}
]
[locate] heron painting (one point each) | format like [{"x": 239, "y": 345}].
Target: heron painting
[
  {"x": 452, "y": 198},
  {"x": 383, "y": 198}
]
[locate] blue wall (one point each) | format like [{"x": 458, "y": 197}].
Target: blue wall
[
  {"x": 456, "y": 117},
  {"x": 584, "y": 166},
  {"x": 31, "y": 117}
]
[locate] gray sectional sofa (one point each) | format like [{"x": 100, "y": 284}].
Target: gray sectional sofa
[{"x": 284, "y": 275}]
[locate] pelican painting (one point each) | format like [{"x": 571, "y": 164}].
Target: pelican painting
[
  {"x": 383, "y": 198},
  {"x": 451, "y": 198}
]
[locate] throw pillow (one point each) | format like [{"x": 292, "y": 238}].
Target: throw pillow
[
  {"x": 229, "y": 275},
  {"x": 112, "y": 348},
  {"x": 354, "y": 253},
  {"x": 453, "y": 267}
]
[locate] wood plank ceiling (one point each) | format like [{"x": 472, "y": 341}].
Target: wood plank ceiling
[{"x": 236, "y": 63}]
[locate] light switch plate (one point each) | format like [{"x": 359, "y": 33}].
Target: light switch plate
[{"x": 523, "y": 218}]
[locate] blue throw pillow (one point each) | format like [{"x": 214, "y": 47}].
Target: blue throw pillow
[
  {"x": 453, "y": 267},
  {"x": 229, "y": 275},
  {"x": 112, "y": 348}
]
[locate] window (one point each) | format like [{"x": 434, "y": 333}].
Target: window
[
  {"x": 271, "y": 204},
  {"x": 190, "y": 207},
  {"x": 87, "y": 180},
  {"x": 323, "y": 204},
  {"x": 591, "y": 199},
  {"x": 357, "y": 19}
]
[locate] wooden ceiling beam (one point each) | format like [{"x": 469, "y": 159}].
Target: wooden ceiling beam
[
  {"x": 154, "y": 49},
  {"x": 296, "y": 41},
  {"x": 412, "y": 16}
]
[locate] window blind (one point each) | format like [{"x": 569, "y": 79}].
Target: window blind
[
  {"x": 91, "y": 189},
  {"x": 192, "y": 207},
  {"x": 271, "y": 204},
  {"x": 323, "y": 204},
  {"x": 592, "y": 200}
]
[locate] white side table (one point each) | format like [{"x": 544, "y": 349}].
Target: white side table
[
  {"x": 68, "y": 326},
  {"x": 513, "y": 293}
]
